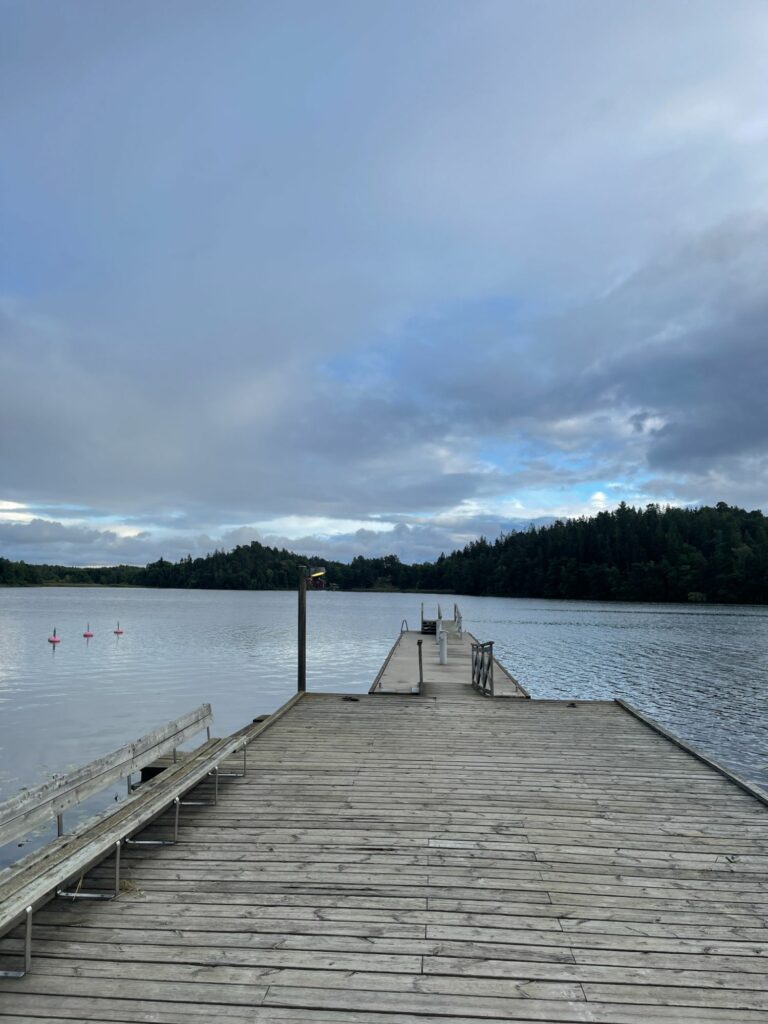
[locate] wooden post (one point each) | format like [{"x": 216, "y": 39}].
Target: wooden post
[
  {"x": 302, "y": 681},
  {"x": 442, "y": 641}
]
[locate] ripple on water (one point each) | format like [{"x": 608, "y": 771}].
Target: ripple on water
[{"x": 699, "y": 671}]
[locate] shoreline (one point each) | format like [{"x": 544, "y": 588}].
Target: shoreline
[{"x": 57, "y": 585}]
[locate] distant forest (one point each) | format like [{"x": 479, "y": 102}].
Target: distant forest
[{"x": 713, "y": 554}]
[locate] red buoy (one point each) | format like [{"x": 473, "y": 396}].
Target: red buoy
[
  {"x": 54, "y": 639},
  {"x": 88, "y": 632},
  {"x": 118, "y": 631}
]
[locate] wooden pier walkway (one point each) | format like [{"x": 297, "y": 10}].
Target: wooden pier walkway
[
  {"x": 400, "y": 671},
  {"x": 444, "y": 858}
]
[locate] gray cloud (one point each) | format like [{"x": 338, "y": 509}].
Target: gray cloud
[
  {"x": 277, "y": 262},
  {"x": 666, "y": 371},
  {"x": 56, "y": 543}
]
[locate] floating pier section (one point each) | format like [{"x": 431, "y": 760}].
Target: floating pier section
[
  {"x": 421, "y": 857},
  {"x": 418, "y": 664}
]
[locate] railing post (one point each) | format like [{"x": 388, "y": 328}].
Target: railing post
[
  {"x": 443, "y": 642},
  {"x": 421, "y": 667},
  {"x": 302, "y": 677},
  {"x": 482, "y": 668}
]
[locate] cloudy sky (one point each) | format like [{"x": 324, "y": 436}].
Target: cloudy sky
[{"x": 375, "y": 276}]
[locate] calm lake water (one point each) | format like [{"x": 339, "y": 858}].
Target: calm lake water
[{"x": 700, "y": 671}]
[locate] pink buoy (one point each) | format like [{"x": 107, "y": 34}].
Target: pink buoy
[
  {"x": 54, "y": 639},
  {"x": 88, "y": 634},
  {"x": 118, "y": 631}
]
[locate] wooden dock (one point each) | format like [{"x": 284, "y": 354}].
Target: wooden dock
[
  {"x": 443, "y": 858},
  {"x": 400, "y": 671}
]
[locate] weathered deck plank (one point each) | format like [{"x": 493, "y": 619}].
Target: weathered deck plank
[{"x": 449, "y": 858}]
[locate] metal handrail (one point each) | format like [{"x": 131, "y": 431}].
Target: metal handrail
[
  {"x": 482, "y": 668},
  {"x": 404, "y": 626}
]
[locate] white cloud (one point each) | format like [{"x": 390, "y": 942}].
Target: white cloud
[{"x": 319, "y": 526}]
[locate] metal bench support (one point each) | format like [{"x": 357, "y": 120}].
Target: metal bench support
[
  {"x": 206, "y": 803},
  {"x": 78, "y": 895},
  {"x": 238, "y": 775},
  {"x": 161, "y": 842},
  {"x": 27, "y": 950}
]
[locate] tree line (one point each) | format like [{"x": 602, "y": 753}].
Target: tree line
[{"x": 714, "y": 554}]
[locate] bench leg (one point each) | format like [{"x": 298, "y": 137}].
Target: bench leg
[
  {"x": 160, "y": 842},
  {"x": 27, "y": 950},
  {"x": 206, "y": 803},
  {"x": 238, "y": 775},
  {"x": 78, "y": 895}
]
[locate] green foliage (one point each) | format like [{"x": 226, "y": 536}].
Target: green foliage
[
  {"x": 715, "y": 554},
  {"x": 248, "y": 567},
  {"x": 20, "y": 574}
]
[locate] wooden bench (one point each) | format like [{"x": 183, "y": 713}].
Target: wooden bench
[{"x": 44, "y": 874}]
